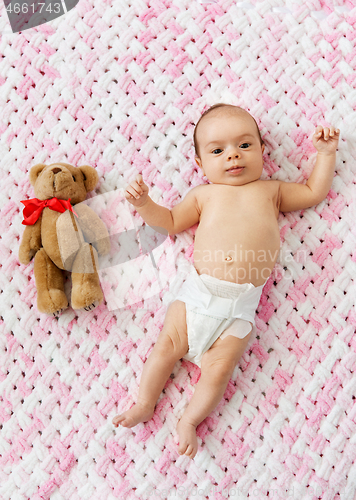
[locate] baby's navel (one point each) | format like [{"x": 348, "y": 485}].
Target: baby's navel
[{"x": 228, "y": 258}]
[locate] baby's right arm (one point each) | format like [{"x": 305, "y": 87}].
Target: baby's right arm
[{"x": 184, "y": 215}]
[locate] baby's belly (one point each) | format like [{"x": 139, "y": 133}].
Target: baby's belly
[{"x": 236, "y": 258}]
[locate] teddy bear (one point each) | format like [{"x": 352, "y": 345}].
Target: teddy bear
[{"x": 62, "y": 233}]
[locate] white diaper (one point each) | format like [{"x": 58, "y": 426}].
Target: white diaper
[{"x": 216, "y": 308}]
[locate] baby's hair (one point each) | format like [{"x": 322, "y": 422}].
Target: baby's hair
[{"x": 212, "y": 108}]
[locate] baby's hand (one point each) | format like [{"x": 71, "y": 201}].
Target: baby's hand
[
  {"x": 137, "y": 192},
  {"x": 326, "y": 139}
]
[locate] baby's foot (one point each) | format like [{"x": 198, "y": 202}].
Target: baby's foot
[
  {"x": 188, "y": 443},
  {"x": 138, "y": 413}
]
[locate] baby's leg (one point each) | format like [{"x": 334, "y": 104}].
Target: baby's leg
[
  {"x": 172, "y": 345},
  {"x": 217, "y": 366}
]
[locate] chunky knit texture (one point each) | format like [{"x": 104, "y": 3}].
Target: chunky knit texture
[{"x": 118, "y": 85}]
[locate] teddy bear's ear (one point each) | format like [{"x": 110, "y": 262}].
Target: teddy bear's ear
[
  {"x": 35, "y": 171},
  {"x": 91, "y": 177}
]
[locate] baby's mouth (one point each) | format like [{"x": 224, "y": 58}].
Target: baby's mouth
[{"x": 235, "y": 169}]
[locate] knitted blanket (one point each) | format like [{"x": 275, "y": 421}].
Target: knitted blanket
[{"x": 119, "y": 85}]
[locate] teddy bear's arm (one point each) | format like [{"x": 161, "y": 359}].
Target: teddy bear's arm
[
  {"x": 31, "y": 242},
  {"x": 93, "y": 228}
]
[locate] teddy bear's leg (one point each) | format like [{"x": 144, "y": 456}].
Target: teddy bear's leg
[
  {"x": 51, "y": 298},
  {"x": 86, "y": 290}
]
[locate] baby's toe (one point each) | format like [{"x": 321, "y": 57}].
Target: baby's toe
[
  {"x": 119, "y": 420},
  {"x": 116, "y": 420}
]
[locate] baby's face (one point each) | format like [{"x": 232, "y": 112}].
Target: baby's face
[{"x": 229, "y": 147}]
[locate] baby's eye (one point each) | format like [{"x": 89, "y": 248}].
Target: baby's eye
[
  {"x": 245, "y": 145},
  {"x": 217, "y": 151}
]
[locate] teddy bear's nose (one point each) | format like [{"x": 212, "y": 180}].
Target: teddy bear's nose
[{"x": 56, "y": 170}]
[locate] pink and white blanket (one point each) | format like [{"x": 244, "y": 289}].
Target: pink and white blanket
[{"x": 119, "y": 85}]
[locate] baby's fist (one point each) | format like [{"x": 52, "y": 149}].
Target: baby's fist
[
  {"x": 137, "y": 192},
  {"x": 326, "y": 139}
]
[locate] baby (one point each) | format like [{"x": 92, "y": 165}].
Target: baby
[{"x": 236, "y": 246}]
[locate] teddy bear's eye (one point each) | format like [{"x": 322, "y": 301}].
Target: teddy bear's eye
[{"x": 74, "y": 179}]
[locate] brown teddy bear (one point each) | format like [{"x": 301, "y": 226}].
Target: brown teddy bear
[{"x": 59, "y": 232}]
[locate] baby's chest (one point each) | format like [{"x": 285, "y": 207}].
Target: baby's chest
[{"x": 243, "y": 211}]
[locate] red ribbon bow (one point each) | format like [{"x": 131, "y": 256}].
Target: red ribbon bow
[{"x": 33, "y": 208}]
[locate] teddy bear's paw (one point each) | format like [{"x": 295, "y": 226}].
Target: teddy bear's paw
[
  {"x": 56, "y": 314},
  {"x": 52, "y": 302},
  {"x": 86, "y": 292},
  {"x": 92, "y": 306}
]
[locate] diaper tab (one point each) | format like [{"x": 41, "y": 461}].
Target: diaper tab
[
  {"x": 194, "y": 292},
  {"x": 220, "y": 307},
  {"x": 244, "y": 307}
]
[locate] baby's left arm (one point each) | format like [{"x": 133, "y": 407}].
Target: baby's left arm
[{"x": 295, "y": 196}]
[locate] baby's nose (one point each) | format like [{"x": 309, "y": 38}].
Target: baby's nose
[{"x": 234, "y": 153}]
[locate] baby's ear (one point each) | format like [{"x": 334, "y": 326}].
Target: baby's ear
[
  {"x": 263, "y": 148},
  {"x": 198, "y": 162}
]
